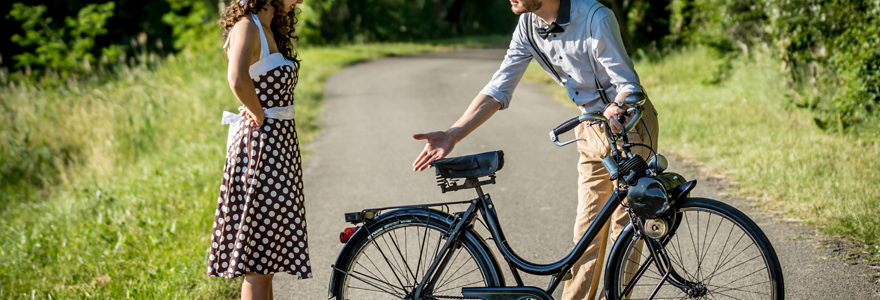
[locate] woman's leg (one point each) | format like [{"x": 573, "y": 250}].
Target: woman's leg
[{"x": 256, "y": 287}]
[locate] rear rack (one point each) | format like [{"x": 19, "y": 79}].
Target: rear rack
[
  {"x": 451, "y": 185},
  {"x": 370, "y": 213}
]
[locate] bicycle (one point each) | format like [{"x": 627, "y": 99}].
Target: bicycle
[{"x": 675, "y": 247}]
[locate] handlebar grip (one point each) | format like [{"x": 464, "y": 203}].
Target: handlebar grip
[{"x": 567, "y": 125}]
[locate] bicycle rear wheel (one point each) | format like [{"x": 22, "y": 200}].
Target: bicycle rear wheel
[
  {"x": 390, "y": 261},
  {"x": 716, "y": 251}
]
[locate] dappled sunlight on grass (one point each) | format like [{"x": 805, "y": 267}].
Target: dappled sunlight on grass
[{"x": 122, "y": 175}]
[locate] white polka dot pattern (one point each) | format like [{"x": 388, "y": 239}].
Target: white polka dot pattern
[{"x": 259, "y": 225}]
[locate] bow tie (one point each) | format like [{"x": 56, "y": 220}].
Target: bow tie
[{"x": 553, "y": 28}]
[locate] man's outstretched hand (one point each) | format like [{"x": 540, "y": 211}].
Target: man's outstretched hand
[{"x": 439, "y": 144}]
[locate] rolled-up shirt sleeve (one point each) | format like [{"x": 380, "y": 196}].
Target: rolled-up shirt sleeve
[
  {"x": 610, "y": 53},
  {"x": 512, "y": 69}
]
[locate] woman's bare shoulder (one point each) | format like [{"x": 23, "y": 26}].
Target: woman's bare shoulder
[{"x": 244, "y": 25}]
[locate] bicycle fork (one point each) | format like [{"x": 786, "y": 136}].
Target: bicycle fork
[{"x": 660, "y": 259}]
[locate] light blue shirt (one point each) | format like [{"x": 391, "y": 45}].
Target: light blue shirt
[{"x": 568, "y": 54}]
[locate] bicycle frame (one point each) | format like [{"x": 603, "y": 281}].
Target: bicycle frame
[{"x": 483, "y": 205}]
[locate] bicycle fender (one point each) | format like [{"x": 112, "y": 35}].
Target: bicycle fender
[{"x": 374, "y": 225}]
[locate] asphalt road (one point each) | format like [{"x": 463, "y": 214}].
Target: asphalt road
[{"x": 362, "y": 158}]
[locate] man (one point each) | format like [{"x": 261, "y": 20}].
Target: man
[{"x": 578, "y": 43}]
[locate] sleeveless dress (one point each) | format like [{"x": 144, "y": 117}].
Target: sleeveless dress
[{"x": 260, "y": 224}]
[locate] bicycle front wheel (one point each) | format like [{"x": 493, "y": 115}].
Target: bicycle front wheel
[
  {"x": 714, "y": 252},
  {"x": 392, "y": 259}
]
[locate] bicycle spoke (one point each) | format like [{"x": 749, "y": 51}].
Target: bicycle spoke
[
  {"x": 734, "y": 266},
  {"x": 361, "y": 276},
  {"x": 708, "y": 245},
  {"x": 397, "y": 268},
  {"x": 725, "y": 295},
  {"x": 374, "y": 266},
  {"x": 716, "y": 252},
  {"x": 697, "y": 252},
  {"x": 376, "y": 290},
  {"x": 747, "y": 275},
  {"x": 681, "y": 257},
  {"x": 741, "y": 288},
  {"x": 385, "y": 257},
  {"x": 690, "y": 233},
  {"x": 405, "y": 264},
  {"x": 727, "y": 258},
  {"x": 424, "y": 238},
  {"x": 448, "y": 265},
  {"x": 756, "y": 271},
  {"x": 465, "y": 274}
]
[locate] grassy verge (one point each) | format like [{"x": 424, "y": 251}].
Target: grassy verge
[
  {"x": 117, "y": 180},
  {"x": 745, "y": 128}
]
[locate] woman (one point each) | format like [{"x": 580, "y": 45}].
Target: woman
[{"x": 259, "y": 225}]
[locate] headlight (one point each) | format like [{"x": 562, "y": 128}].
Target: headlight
[{"x": 647, "y": 198}]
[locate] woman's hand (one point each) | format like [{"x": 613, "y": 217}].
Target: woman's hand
[{"x": 255, "y": 119}]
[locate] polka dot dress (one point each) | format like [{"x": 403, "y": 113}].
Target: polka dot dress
[{"x": 260, "y": 223}]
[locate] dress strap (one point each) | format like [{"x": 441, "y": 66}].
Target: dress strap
[{"x": 264, "y": 45}]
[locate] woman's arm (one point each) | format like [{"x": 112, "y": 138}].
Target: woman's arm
[{"x": 243, "y": 43}]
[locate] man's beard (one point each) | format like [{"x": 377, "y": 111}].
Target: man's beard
[{"x": 526, "y": 6}]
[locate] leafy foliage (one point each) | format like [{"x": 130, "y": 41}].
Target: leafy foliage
[
  {"x": 335, "y": 21},
  {"x": 187, "y": 20},
  {"x": 828, "y": 48},
  {"x": 66, "y": 49}
]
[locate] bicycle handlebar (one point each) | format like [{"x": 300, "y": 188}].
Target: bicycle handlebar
[
  {"x": 635, "y": 101},
  {"x": 571, "y": 124}
]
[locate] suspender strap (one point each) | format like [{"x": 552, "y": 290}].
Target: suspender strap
[
  {"x": 592, "y": 12},
  {"x": 543, "y": 57}
]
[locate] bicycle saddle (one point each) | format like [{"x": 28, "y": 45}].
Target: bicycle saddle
[{"x": 470, "y": 166}]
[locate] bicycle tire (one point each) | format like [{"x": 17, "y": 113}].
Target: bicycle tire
[
  {"x": 708, "y": 247},
  {"x": 390, "y": 258}
]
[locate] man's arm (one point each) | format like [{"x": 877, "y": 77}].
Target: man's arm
[
  {"x": 440, "y": 143},
  {"x": 494, "y": 96},
  {"x": 611, "y": 54}
]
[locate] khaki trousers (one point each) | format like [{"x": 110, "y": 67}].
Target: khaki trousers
[{"x": 594, "y": 188}]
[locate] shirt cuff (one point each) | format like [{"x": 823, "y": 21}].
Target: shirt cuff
[
  {"x": 497, "y": 96},
  {"x": 628, "y": 88}
]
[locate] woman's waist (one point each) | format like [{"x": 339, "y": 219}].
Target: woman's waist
[{"x": 275, "y": 112}]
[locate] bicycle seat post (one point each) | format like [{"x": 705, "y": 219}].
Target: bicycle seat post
[{"x": 475, "y": 183}]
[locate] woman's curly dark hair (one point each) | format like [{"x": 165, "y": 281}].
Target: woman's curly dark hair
[{"x": 283, "y": 24}]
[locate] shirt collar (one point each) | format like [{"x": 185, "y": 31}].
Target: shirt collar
[{"x": 563, "y": 16}]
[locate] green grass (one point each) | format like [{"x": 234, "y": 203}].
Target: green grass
[
  {"x": 109, "y": 186},
  {"x": 746, "y": 129}
]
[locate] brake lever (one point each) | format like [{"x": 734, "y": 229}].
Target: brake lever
[
  {"x": 560, "y": 144},
  {"x": 555, "y": 140}
]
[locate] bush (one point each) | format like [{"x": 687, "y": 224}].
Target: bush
[
  {"x": 828, "y": 48},
  {"x": 336, "y": 21},
  {"x": 66, "y": 50}
]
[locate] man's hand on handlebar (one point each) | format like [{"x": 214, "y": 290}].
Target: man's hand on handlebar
[
  {"x": 612, "y": 112},
  {"x": 439, "y": 144}
]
